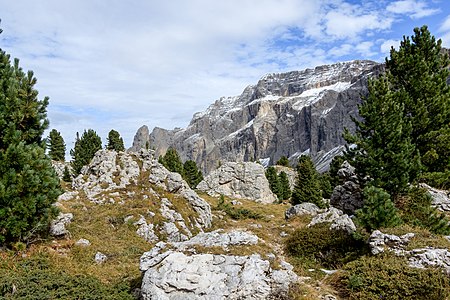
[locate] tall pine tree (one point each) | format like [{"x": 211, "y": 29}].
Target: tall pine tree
[
  {"x": 307, "y": 187},
  {"x": 172, "y": 161},
  {"x": 115, "y": 141},
  {"x": 192, "y": 174},
  {"x": 419, "y": 68},
  {"x": 28, "y": 184},
  {"x": 84, "y": 149},
  {"x": 274, "y": 184},
  {"x": 384, "y": 151},
  {"x": 56, "y": 146},
  {"x": 284, "y": 185}
]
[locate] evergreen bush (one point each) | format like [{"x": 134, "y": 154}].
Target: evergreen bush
[
  {"x": 56, "y": 146},
  {"x": 307, "y": 187},
  {"x": 115, "y": 141},
  {"x": 85, "y": 149}
]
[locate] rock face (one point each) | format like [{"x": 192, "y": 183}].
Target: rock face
[
  {"x": 171, "y": 274},
  {"x": 283, "y": 114},
  {"x": 245, "y": 180},
  {"x": 141, "y": 139}
]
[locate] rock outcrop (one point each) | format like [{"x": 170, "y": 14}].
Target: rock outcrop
[
  {"x": 347, "y": 196},
  {"x": 172, "y": 274},
  {"x": 244, "y": 180},
  {"x": 107, "y": 178},
  {"x": 286, "y": 114},
  {"x": 440, "y": 198},
  {"x": 428, "y": 257},
  {"x": 58, "y": 226},
  {"x": 337, "y": 219}
]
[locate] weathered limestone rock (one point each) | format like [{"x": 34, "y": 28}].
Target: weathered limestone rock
[
  {"x": 347, "y": 197},
  {"x": 441, "y": 198},
  {"x": 141, "y": 139},
  {"x": 379, "y": 242},
  {"x": 218, "y": 239},
  {"x": 59, "y": 167},
  {"x": 175, "y": 275},
  {"x": 291, "y": 174},
  {"x": 100, "y": 258},
  {"x": 58, "y": 226},
  {"x": 338, "y": 220},
  {"x": 146, "y": 231},
  {"x": 245, "y": 180},
  {"x": 83, "y": 243},
  {"x": 174, "y": 183},
  {"x": 305, "y": 208},
  {"x": 68, "y": 196},
  {"x": 283, "y": 114},
  {"x": 418, "y": 258}
]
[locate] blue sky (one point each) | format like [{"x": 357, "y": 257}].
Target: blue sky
[{"x": 121, "y": 64}]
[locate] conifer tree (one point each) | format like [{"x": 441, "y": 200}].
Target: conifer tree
[
  {"x": 171, "y": 160},
  {"x": 28, "y": 183},
  {"x": 84, "y": 149},
  {"x": 56, "y": 146},
  {"x": 283, "y": 161},
  {"x": 419, "y": 68},
  {"x": 384, "y": 151},
  {"x": 284, "y": 186},
  {"x": 115, "y": 141},
  {"x": 274, "y": 184},
  {"x": 192, "y": 174},
  {"x": 378, "y": 210},
  {"x": 307, "y": 187},
  {"x": 66, "y": 175}
]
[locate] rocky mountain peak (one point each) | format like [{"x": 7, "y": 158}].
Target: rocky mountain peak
[{"x": 293, "y": 113}]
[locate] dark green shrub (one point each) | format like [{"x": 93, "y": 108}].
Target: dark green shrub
[
  {"x": 115, "y": 141},
  {"x": 35, "y": 279},
  {"x": 84, "y": 149},
  {"x": 236, "y": 213},
  {"x": 307, "y": 187},
  {"x": 378, "y": 210},
  {"x": 416, "y": 210},
  {"x": 386, "y": 277},
  {"x": 329, "y": 248}
]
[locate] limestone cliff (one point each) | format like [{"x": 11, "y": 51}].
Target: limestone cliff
[{"x": 283, "y": 114}]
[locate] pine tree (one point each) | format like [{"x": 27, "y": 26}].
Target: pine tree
[
  {"x": 283, "y": 161},
  {"x": 171, "y": 160},
  {"x": 66, "y": 175},
  {"x": 384, "y": 151},
  {"x": 284, "y": 186},
  {"x": 378, "y": 210},
  {"x": 56, "y": 146},
  {"x": 307, "y": 187},
  {"x": 192, "y": 174},
  {"x": 28, "y": 184},
  {"x": 274, "y": 184},
  {"x": 420, "y": 69},
  {"x": 115, "y": 141},
  {"x": 84, "y": 149}
]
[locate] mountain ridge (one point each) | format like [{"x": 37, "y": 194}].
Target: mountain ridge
[{"x": 292, "y": 113}]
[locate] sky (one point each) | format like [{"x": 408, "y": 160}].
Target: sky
[{"x": 121, "y": 64}]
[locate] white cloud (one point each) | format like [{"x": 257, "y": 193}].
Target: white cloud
[
  {"x": 386, "y": 45},
  {"x": 120, "y": 64},
  {"x": 415, "y": 9}
]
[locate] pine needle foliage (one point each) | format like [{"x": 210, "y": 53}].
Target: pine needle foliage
[
  {"x": 307, "y": 187},
  {"x": 115, "y": 141},
  {"x": 192, "y": 174},
  {"x": 172, "y": 161},
  {"x": 56, "y": 146},
  {"x": 84, "y": 149},
  {"x": 28, "y": 184},
  {"x": 378, "y": 210}
]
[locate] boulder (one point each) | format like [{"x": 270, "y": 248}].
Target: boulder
[
  {"x": 440, "y": 198},
  {"x": 58, "y": 226},
  {"x": 379, "y": 242},
  {"x": 337, "y": 219},
  {"x": 347, "y": 196},
  {"x": 243, "y": 180},
  {"x": 176, "y": 275},
  {"x": 218, "y": 239},
  {"x": 305, "y": 208},
  {"x": 83, "y": 243},
  {"x": 100, "y": 258}
]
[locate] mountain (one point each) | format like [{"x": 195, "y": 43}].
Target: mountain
[{"x": 293, "y": 113}]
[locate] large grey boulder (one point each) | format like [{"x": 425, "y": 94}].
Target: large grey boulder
[
  {"x": 244, "y": 180},
  {"x": 170, "y": 274},
  {"x": 218, "y": 238},
  {"x": 337, "y": 219},
  {"x": 347, "y": 196},
  {"x": 301, "y": 209},
  {"x": 282, "y": 114}
]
